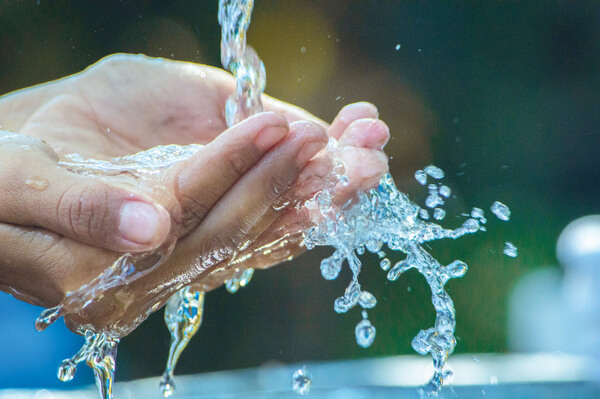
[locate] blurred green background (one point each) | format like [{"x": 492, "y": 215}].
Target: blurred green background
[{"x": 504, "y": 96}]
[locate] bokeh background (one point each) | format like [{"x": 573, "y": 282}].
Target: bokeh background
[{"x": 504, "y": 96}]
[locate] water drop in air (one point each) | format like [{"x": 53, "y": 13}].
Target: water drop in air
[
  {"x": 301, "y": 381},
  {"x": 365, "y": 333},
  {"x": 510, "y": 249},
  {"x": 501, "y": 211}
]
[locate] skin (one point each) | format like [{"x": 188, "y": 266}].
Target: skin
[{"x": 235, "y": 204}]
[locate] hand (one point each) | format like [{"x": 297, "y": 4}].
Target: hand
[{"x": 57, "y": 239}]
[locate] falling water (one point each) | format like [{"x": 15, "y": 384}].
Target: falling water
[
  {"x": 249, "y": 72},
  {"x": 380, "y": 220}
]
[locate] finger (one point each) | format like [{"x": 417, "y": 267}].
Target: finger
[
  {"x": 349, "y": 114},
  {"x": 364, "y": 168},
  {"x": 40, "y": 267},
  {"x": 367, "y": 133},
  {"x": 235, "y": 216},
  {"x": 35, "y": 191},
  {"x": 206, "y": 177}
]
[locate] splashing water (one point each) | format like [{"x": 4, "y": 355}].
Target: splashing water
[
  {"x": 183, "y": 317},
  {"x": 383, "y": 216},
  {"x": 183, "y": 313},
  {"x": 99, "y": 352},
  {"x": 301, "y": 381}
]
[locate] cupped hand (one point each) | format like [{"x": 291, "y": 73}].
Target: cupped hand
[{"x": 60, "y": 230}]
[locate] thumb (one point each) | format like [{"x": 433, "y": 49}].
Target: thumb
[{"x": 35, "y": 191}]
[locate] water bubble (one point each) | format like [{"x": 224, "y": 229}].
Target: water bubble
[
  {"x": 510, "y": 249},
  {"x": 367, "y": 300},
  {"x": 303, "y": 50},
  {"x": 445, "y": 191},
  {"x": 397, "y": 46},
  {"x": 365, "y": 333},
  {"x": 434, "y": 172},
  {"x": 439, "y": 213},
  {"x": 301, "y": 381},
  {"x": 501, "y": 211},
  {"x": 421, "y": 177}
]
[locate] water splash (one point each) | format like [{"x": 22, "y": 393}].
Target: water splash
[
  {"x": 386, "y": 216},
  {"x": 183, "y": 317},
  {"x": 99, "y": 352},
  {"x": 243, "y": 62}
]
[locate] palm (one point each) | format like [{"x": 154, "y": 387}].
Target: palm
[{"x": 129, "y": 104}]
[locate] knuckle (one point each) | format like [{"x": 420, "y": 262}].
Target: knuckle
[
  {"x": 83, "y": 210},
  {"x": 236, "y": 161}
]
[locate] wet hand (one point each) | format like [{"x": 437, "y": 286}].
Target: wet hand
[{"x": 215, "y": 209}]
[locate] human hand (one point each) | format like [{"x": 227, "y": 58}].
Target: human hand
[{"x": 111, "y": 110}]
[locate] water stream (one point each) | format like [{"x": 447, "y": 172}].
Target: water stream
[{"x": 378, "y": 221}]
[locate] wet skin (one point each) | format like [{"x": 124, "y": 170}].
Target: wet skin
[{"x": 224, "y": 206}]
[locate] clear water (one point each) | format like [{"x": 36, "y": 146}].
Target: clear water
[
  {"x": 249, "y": 72},
  {"x": 183, "y": 317},
  {"x": 501, "y": 211},
  {"x": 379, "y": 221},
  {"x": 510, "y": 249},
  {"x": 301, "y": 381}
]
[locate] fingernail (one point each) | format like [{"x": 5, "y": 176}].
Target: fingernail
[
  {"x": 271, "y": 135},
  {"x": 139, "y": 222},
  {"x": 362, "y": 109}
]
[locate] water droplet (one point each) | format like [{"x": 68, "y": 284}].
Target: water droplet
[
  {"x": 367, "y": 300},
  {"x": 246, "y": 277},
  {"x": 330, "y": 268},
  {"x": 365, "y": 333},
  {"x": 510, "y": 249},
  {"x": 439, "y": 213},
  {"x": 445, "y": 191},
  {"x": 48, "y": 317},
  {"x": 373, "y": 245},
  {"x": 434, "y": 172},
  {"x": 421, "y": 177},
  {"x": 301, "y": 381},
  {"x": 167, "y": 386},
  {"x": 66, "y": 370},
  {"x": 303, "y": 50},
  {"x": 37, "y": 183},
  {"x": 385, "y": 264},
  {"x": 501, "y": 211},
  {"x": 398, "y": 46}
]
